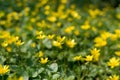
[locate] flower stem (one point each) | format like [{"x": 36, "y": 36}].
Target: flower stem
[{"x": 2, "y": 77}]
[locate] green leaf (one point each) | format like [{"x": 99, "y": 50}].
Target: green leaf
[
  {"x": 54, "y": 67},
  {"x": 47, "y": 43},
  {"x": 70, "y": 78},
  {"x": 55, "y": 76}
]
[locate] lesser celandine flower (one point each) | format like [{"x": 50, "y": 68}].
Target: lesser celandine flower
[
  {"x": 76, "y": 32},
  {"x": 113, "y": 77},
  {"x": 33, "y": 20},
  {"x": 85, "y": 27},
  {"x": 30, "y": 28},
  {"x": 33, "y": 45},
  {"x": 3, "y": 22},
  {"x": 113, "y": 37},
  {"x": 4, "y": 44},
  {"x": 63, "y": 1},
  {"x": 61, "y": 39},
  {"x": 95, "y": 53},
  {"x": 39, "y": 32},
  {"x": 118, "y": 15},
  {"x": 12, "y": 39},
  {"x": 52, "y": 18},
  {"x": 15, "y": 78},
  {"x": 51, "y": 36},
  {"x": 46, "y": 12},
  {"x": 105, "y": 35},
  {"x": 113, "y": 62},
  {"x": 9, "y": 49},
  {"x": 75, "y": 15},
  {"x": 19, "y": 43},
  {"x": 93, "y": 29},
  {"x": 118, "y": 45},
  {"x": 99, "y": 42},
  {"x": 21, "y": 78},
  {"x": 94, "y": 13},
  {"x": 43, "y": 60},
  {"x": 40, "y": 54},
  {"x": 4, "y": 69},
  {"x": 57, "y": 44},
  {"x": 89, "y": 58},
  {"x": 41, "y": 36},
  {"x": 71, "y": 43},
  {"x": 117, "y": 53},
  {"x": 77, "y": 58},
  {"x": 59, "y": 24},
  {"x": 117, "y": 32},
  {"x": 26, "y": 11},
  {"x": 4, "y": 34},
  {"x": 1, "y": 14},
  {"x": 69, "y": 29},
  {"x": 47, "y": 7}
]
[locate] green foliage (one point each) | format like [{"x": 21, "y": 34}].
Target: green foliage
[{"x": 59, "y": 40}]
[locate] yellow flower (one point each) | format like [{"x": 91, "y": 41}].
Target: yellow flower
[
  {"x": 30, "y": 28},
  {"x": 19, "y": 43},
  {"x": 99, "y": 42},
  {"x": 117, "y": 53},
  {"x": 4, "y": 34},
  {"x": 33, "y": 20},
  {"x": 117, "y": 32},
  {"x": 50, "y": 36},
  {"x": 95, "y": 53},
  {"x": 59, "y": 24},
  {"x": 118, "y": 15},
  {"x": 113, "y": 62},
  {"x": 47, "y": 7},
  {"x": 40, "y": 54},
  {"x": 77, "y": 58},
  {"x": 89, "y": 58},
  {"x": 2, "y": 14},
  {"x": 105, "y": 35},
  {"x": 2, "y": 22},
  {"x": 4, "y": 44},
  {"x": 43, "y": 61},
  {"x": 113, "y": 37},
  {"x": 52, "y": 19},
  {"x": 71, "y": 43},
  {"x": 57, "y": 44},
  {"x": 9, "y": 49},
  {"x": 69, "y": 29},
  {"x": 39, "y": 32},
  {"x": 60, "y": 39},
  {"x": 118, "y": 45},
  {"x": 41, "y": 36},
  {"x": 76, "y": 32},
  {"x": 75, "y": 15},
  {"x": 15, "y": 78},
  {"x": 113, "y": 77},
  {"x": 20, "y": 78},
  {"x": 63, "y": 1},
  {"x": 93, "y": 29},
  {"x": 12, "y": 39},
  {"x": 4, "y": 69},
  {"x": 94, "y": 13},
  {"x": 33, "y": 45},
  {"x": 85, "y": 26}
]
